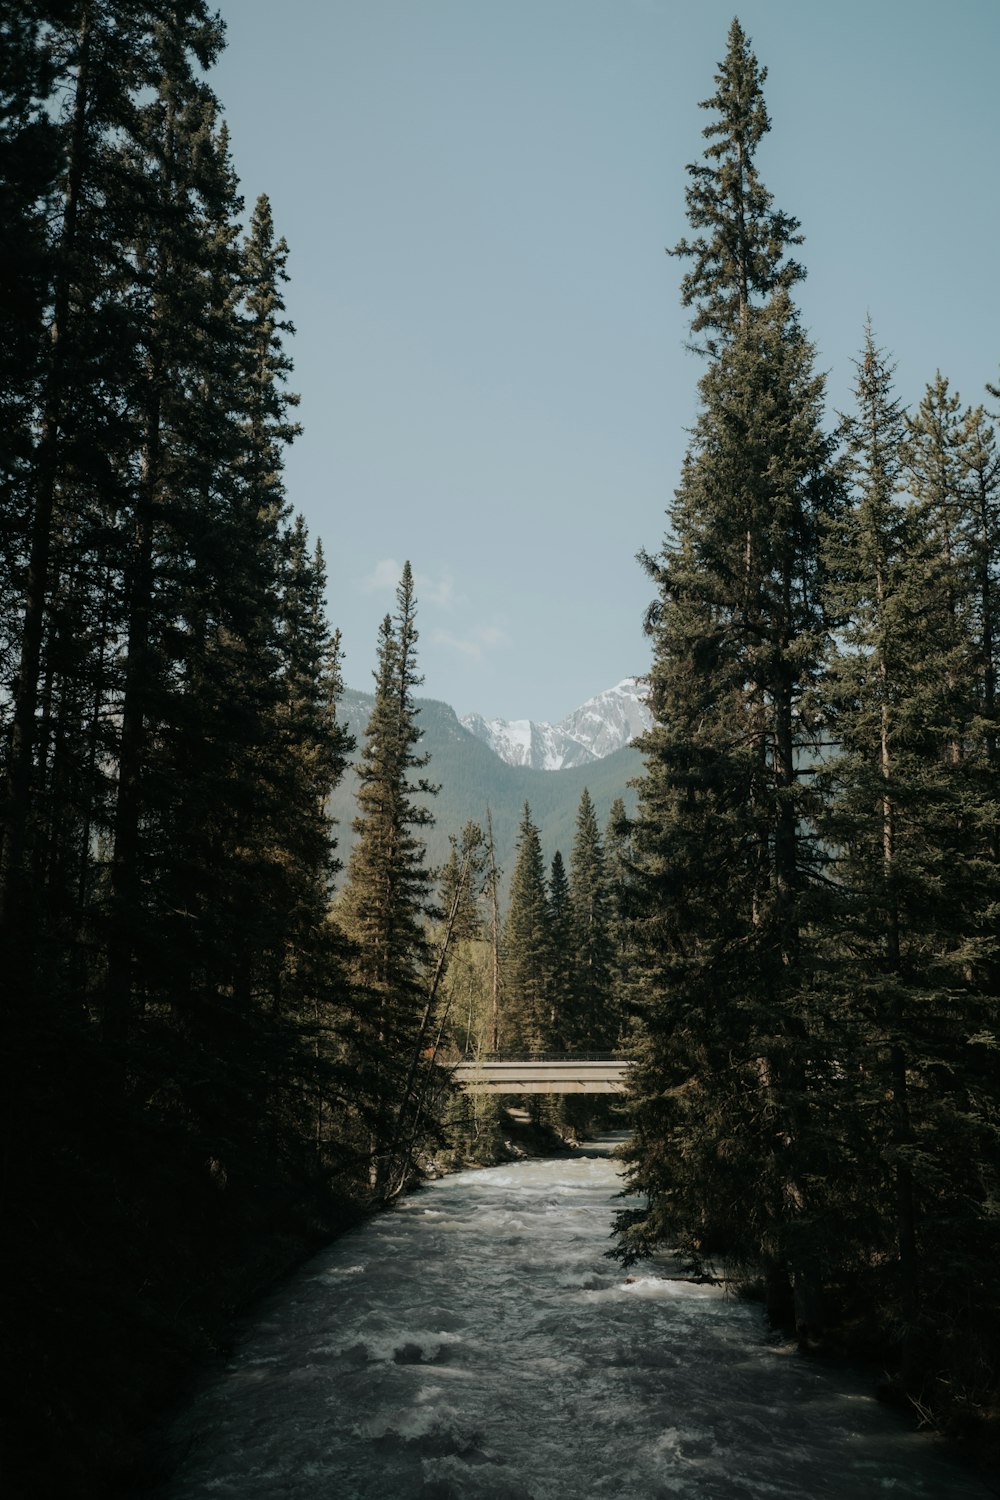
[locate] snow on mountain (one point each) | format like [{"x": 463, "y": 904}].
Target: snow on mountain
[
  {"x": 596, "y": 729},
  {"x": 613, "y": 719}
]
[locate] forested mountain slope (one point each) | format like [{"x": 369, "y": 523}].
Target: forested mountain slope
[{"x": 471, "y": 777}]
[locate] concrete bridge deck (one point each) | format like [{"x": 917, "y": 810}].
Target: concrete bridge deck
[{"x": 588, "y": 1074}]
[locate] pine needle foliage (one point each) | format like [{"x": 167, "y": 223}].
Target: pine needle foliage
[
  {"x": 389, "y": 894},
  {"x": 733, "y": 1051},
  {"x": 526, "y": 1024},
  {"x": 175, "y": 990},
  {"x": 911, "y": 813},
  {"x": 594, "y": 1020},
  {"x": 739, "y": 258}
]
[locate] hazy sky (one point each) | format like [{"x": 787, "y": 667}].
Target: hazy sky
[{"x": 477, "y": 195}]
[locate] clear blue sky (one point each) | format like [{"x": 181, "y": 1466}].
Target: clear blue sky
[{"x": 477, "y": 195}]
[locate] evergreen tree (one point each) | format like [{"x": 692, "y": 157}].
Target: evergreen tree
[
  {"x": 464, "y": 1026},
  {"x": 527, "y": 960},
  {"x": 491, "y": 892},
  {"x": 29, "y": 164},
  {"x": 729, "y": 1142},
  {"x": 168, "y": 697},
  {"x": 981, "y": 464},
  {"x": 620, "y": 877},
  {"x": 562, "y": 959},
  {"x": 867, "y": 591},
  {"x": 739, "y": 258},
  {"x": 389, "y": 893},
  {"x": 466, "y": 981},
  {"x": 183, "y": 241},
  {"x": 87, "y": 61},
  {"x": 595, "y": 1024},
  {"x": 461, "y": 882},
  {"x": 908, "y": 802}
]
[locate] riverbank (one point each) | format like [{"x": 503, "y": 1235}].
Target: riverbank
[
  {"x": 121, "y": 1363},
  {"x": 118, "y": 1319}
]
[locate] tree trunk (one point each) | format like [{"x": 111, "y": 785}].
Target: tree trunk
[{"x": 13, "y": 924}]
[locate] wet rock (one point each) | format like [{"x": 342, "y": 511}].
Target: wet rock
[{"x": 408, "y": 1354}]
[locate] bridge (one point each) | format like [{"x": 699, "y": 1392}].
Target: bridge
[{"x": 546, "y": 1073}]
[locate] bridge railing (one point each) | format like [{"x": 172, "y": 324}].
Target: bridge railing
[{"x": 553, "y": 1057}]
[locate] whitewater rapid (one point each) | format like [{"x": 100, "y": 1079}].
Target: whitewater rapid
[{"x": 476, "y": 1342}]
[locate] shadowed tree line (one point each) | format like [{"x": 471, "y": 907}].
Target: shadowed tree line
[{"x": 204, "y": 1073}]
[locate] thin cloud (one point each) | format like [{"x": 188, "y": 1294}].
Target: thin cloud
[
  {"x": 492, "y": 635},
  {"x": 439, "y": 592},
  {"x": 383, "y": 578},
  {"x": 473, "y": 646}
]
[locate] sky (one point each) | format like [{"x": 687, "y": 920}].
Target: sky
[{"x": 490, "y": 347}]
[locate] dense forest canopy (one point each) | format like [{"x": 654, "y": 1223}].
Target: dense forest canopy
[{"x": 219, "y": 1044}]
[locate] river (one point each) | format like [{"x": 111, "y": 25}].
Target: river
[{"x": 475, "y": 1342}]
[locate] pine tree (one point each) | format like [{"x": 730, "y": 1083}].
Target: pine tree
[
  {"x": 740, "y": 258},
  {"x": 526, "y": 1021},
  {"x": 466, "y": 980},
  {"x": 175, "y": 1006},
  {"x": 911, "y": 820},
  {"x": 620, "y": 879},
  {"x": 728, "y": 1137},
  {"x": 981, "y": 465},
  {"x": 303, "y": 979},
  {"x": 595, "y": 1024},
  {"x": 461, "y": 882},
  {"x": 466, "y": 1021},
  {"x": 562, "y": 988},
  {"x": 389, "y": 893},
  {"x": 29, "y": 164},
  {"x": 183, "y": 243},
  {"x": 89, "y": 57},
  {"x": 866, "y": 689}
]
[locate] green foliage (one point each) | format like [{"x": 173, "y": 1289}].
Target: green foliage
[
  {"x": 595, "y": 1022},
  {"x": 806, "y": 901},
  {"x": 563, "y": 959},
  {"x": 619, "y": 857},
  {"x": 171, "y": 1035},
  {"x": 911, "y": 817},
  {"x": 739, "y": 258},
  {"x": 472, "y": 777},
  {"x": 726, "y": 852},
  {"x": 527, "y": 1024},
  {"x": 385, "y": 906}
]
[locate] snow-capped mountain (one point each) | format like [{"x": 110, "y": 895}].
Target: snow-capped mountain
[{"x": 595, "y": 729}]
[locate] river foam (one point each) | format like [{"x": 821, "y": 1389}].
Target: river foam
[{"x": 476, "y": 1342}]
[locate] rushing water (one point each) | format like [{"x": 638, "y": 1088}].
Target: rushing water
[{"x": 475, "y": 1342}]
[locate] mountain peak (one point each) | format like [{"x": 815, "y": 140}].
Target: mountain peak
[{"x": 597, "y": 728}]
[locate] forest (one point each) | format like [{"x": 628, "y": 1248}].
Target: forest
[{"x": 220, "y": 1043}]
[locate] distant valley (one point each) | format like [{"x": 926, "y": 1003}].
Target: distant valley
[{"x": 474, "y": 764}]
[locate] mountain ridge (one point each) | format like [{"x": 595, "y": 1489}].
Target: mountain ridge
[
  {"x": 473, "y": 777},
  {"x": 596, "y": 729}
]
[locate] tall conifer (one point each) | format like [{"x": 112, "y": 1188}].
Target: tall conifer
[
  {"x": 595, "y": 1024},
  {"x": 562, "y": 996},
  {"x": 526, "y": 1021},
  {"x": 727, "y": 1139},
  {"x": 167, "y": 693},
  {"x": 909, "y": 821},
  {"x": 389, "y": 892},
  {"x": 620, "y": 874},
  {"x": 739, "y": 256}
]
